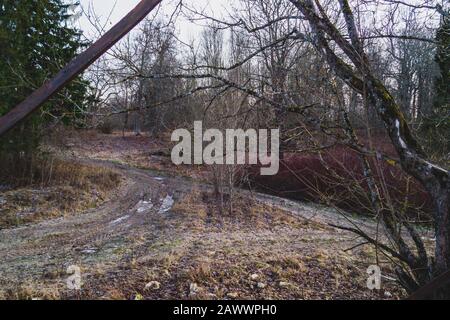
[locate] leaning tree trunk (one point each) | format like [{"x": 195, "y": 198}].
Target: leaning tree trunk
[
  {"x": 360, "y": 77},
  {"x": 414, "y": 161}
]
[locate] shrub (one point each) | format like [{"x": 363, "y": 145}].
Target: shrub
[{"x": 336, "y": 177}]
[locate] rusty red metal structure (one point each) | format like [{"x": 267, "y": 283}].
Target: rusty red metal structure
[
  {"x": 432, "y": 287},
  {"x": 76, "y": 66}
]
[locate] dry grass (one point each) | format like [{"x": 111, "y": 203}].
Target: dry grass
[
  {"x": 145, "y": 152},
  {"x": 201, "y": 208},
  {"x": 259, "y": 251},
  {"x": 67, "y": 188},
  {"x": 32, "y": 292},
  {"x": 229, "y": 257},
  {"x": 82, "y": 176}
]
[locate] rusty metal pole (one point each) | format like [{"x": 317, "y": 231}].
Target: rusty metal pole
[
  {"x": 432, "y": 287},
  {"x": 76, "y": 66}
]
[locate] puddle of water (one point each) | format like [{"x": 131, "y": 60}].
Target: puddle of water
[
  {"x": 167, "y": 204},
  {"x": 24, "y": 214},
  {"x": 89, "y": 251},
  {"x": 144, "y": 206},
  {"x": 120, "y": 219}
]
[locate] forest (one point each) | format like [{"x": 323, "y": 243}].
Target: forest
[{"x": 225, "y": 150}]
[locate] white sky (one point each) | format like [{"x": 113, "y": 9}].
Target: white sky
[
  {"x": 118, "y": 9},
  {"x": 186, "y": 29}
]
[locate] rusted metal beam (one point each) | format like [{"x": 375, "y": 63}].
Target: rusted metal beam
[
  {"x": 76, "y": 66},
  {"x": 432, "y": 287}
]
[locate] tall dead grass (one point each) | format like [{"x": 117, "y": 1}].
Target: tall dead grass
[
  {"x": 53, "y": 188},
  {"x": 46, "y": 171}
]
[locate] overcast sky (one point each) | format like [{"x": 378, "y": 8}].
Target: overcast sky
[
  {"x": 186, "y": 31},
  {"x": 118, "y": 9}
]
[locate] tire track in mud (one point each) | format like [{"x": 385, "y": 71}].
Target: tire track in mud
[{"x": 114, "y": 230}]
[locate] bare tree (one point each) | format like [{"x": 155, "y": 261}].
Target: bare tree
[{"x": 354, "y": 68}]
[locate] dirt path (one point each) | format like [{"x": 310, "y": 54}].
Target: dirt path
[
  {"x": 288, "y": 252},
  {"x": 31, "y": 251}
]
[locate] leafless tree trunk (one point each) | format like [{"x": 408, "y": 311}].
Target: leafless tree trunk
[{"x": 414, "y": 161}]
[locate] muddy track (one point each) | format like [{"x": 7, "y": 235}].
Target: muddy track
[
  {"x": 180, "y": 185},
  {"x": 116, "y": 232}
]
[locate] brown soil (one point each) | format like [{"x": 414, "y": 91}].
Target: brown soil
[{"x": 268, "y": 248}]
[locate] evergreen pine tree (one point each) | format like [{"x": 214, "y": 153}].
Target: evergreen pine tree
[{"x": 36, "y": 41}]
